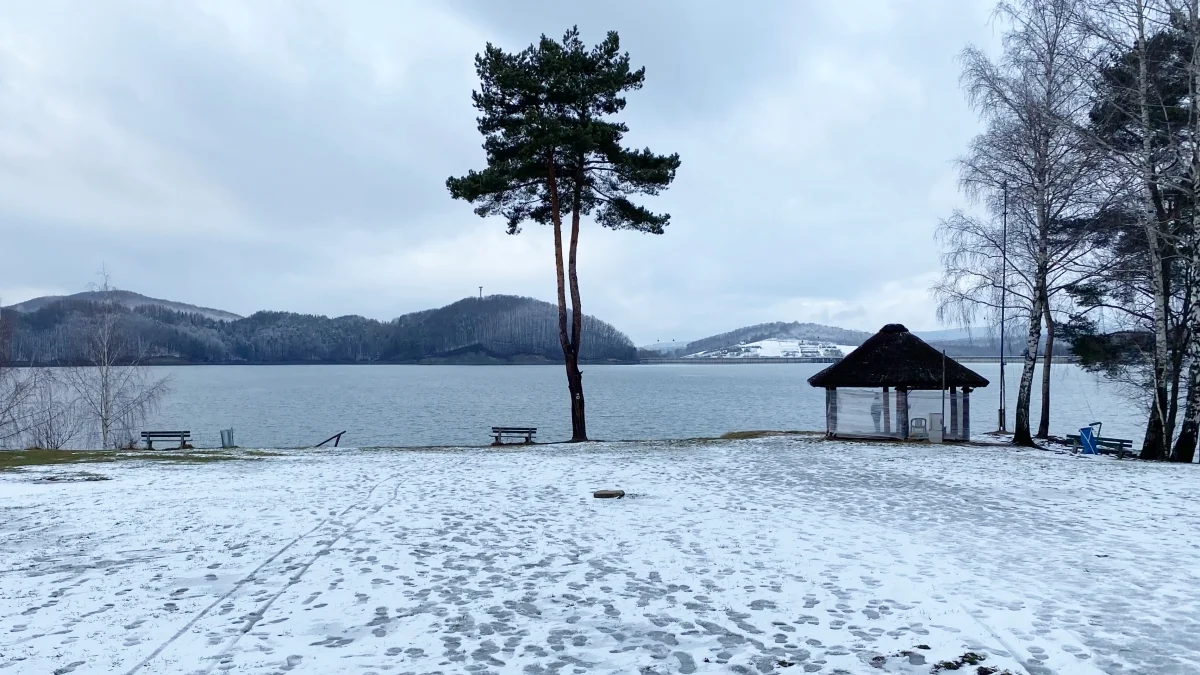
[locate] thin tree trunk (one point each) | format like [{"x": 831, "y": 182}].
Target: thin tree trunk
[
  {"x": 1041, "y": 185},
  {"x": 105, "y": 399},
  {"x": 1179, "y": 354},
  {"x": 574, "y": 376},
  {"x": 1021, "y": 434},
  {"x": 1047, "y": 362},
  {"x": 569, "y": 356},
  {"x": 1185, "y": 444},
  {"x": 1155, "y": 443}
]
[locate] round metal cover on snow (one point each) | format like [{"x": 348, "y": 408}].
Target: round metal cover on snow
[{"x": 608, "y": 494}]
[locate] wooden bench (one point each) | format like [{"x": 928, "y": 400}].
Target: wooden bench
[
  {"x": 151, "y": 436},
  {"x": 1106, "y": 446},
  {"x": 500, "y": 433}
]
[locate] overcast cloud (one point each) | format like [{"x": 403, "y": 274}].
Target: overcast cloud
[{"x": 292, "y": 155}]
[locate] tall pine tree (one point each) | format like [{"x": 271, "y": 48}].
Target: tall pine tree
[{"x": 554, "y": 151}]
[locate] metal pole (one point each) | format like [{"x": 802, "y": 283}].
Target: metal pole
[
  {"x": 1003, "y": 298},
  {"x": 943, "y": 392}
]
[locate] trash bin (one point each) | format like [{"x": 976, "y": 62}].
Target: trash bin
[
  {"x": 936, "y": 429},
  {"x": 1088, "y": 441},
  {"x": 227, "y": 438}
]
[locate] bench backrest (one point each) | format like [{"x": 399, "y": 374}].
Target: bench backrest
[
  {"x": 515, "y": 430},
  {"x": 165, "y": 434}
]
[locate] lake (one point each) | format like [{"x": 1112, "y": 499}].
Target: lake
[{"x": 390, "y": 405}]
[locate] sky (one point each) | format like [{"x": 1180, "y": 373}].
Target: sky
[{"x": 292, "y": 155}]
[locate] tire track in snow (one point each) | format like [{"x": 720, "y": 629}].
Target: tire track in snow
[
  {"x": 261, "y": 611},
  {"x": 253, "y": 576},
  {"x": 1016, "y": 655}
]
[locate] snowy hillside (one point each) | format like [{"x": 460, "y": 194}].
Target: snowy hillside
[
  {"x": 776, "y": 331},
  {"x": 776, "y": 348}
]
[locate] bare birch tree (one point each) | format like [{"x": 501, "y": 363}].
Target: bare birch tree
[
  {"x": 114, "y": 391},
  {"x": 1144, "y": 128},
  {"x": 54, "y": 419},
  {"x": 1032, "y": 163}
]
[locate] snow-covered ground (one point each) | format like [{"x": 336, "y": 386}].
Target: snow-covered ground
[{"x": 781, "y": 554}]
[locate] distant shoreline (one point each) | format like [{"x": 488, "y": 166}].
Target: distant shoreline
[{"x": 1009, "y": 360}]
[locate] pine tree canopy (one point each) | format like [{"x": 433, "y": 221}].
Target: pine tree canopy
[{"x": 545, "y": 117}]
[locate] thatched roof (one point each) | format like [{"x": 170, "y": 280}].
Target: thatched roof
[{"x": 894, "y": 357}]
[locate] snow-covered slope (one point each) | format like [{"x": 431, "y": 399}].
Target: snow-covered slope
[
  {"x": 778, "y": 330},
  {"x": 776, "y": 348}
]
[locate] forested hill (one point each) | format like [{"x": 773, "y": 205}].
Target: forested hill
[
  {"x": 128, "y": 299},
  {"x": 494, "y": 329}
]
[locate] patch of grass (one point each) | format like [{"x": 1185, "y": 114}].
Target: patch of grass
[
  {"x": 968, "y": 659},
  {"x": 745, "y": 435},
  {"x": 75, "y": 477},
  {"x": 16, "y": 460},
  {"x": 11, "y": 460}
]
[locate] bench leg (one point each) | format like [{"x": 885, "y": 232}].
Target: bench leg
[
  {"x": 528, "y": 438},
  {"x": 149, "y": 444}
]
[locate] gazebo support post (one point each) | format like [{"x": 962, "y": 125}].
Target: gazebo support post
[
  {"x": 966, "y": 413},
  {"x": 887, "y": 411},
  {"x": 954, "y": 412},
  {"x": 831, "y": 411},
  {"x": 902, "y": 411}
]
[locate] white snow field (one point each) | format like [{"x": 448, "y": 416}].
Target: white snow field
[{"x": 784, "y": 554}]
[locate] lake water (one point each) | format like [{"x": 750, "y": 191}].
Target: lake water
[{"x": 388, "y": 405}]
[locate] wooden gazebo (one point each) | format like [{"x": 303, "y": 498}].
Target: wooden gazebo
[{"x": 896, "y": 359}]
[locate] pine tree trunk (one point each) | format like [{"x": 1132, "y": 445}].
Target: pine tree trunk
[
  {"x": 575, "y": 385},
  {"x": 574, "y": 376},
  {"x": 1047, "y": 361},
  {"x": 570, "y": 357},
  {"x": 1021, "y": 434}
]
